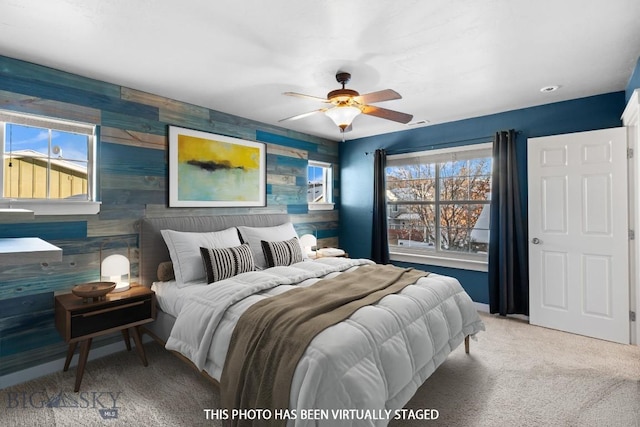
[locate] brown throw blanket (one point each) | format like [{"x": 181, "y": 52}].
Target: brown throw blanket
[{"x": 272, "y": 335}]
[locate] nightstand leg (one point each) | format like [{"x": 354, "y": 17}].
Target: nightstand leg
[
  {"x": 139, "y": 348},
  {"x": 70, "y": 351},
  {"x": 84, "y": 354},
  {"x": 127, "y": 341}
]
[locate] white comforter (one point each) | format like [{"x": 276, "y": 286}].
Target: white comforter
[{"x": 375, "y": 360}]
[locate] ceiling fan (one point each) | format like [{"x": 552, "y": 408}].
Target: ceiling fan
[{"x": 346, "y": 104}]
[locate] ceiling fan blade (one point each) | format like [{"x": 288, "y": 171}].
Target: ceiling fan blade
[
  {"x": 379, "y": 96},
  {"x": 383, "y": 113},
  {"x": 303, "y": 115},
  {"x": 302, "y": 95}
]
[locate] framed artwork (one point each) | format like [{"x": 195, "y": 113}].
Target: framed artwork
[{"x": 209, "y": 170}]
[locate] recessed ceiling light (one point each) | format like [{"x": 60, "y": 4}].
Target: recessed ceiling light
[{"x": 550, "y": 88}]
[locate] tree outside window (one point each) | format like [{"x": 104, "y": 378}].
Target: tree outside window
[{"x": 438, "y": 203}]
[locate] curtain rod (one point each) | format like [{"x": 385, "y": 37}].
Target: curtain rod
[{"x": 433, "y": 147}]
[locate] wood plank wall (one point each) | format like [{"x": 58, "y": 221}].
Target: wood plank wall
[{"x": 132, "y": 177}]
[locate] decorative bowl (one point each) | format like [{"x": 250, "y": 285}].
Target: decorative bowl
[{"x": 95, "y": 290}]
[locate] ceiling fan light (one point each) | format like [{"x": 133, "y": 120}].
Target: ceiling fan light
[{"x": 343, "y": 116}]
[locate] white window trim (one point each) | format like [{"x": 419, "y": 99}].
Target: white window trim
[
  {"x": 323, "y": 206},
  {"x": 441, "y": 259},
  {"x": 54, "y": 206}
]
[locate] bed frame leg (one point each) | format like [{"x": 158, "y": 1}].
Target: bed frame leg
[{"x": 466, "y": 344}]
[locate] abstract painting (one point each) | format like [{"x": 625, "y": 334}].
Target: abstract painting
[{"x": 209, "y": 170}]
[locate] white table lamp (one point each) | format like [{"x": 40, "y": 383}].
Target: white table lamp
[
  {"x": 115, "y": 268},
  {"x": 308, "y": 243}
]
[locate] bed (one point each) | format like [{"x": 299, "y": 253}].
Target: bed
[{"x": 374, "y": 360}]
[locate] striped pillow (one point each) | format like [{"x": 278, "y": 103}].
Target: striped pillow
[
  {"x": 286, "y": 252},
  {"x": 222, "y": 263}
]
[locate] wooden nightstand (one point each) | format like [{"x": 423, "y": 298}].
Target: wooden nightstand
[{"x": 78, "y": 321}]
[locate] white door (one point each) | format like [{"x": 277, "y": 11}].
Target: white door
[{"x": 578, "y": 233}]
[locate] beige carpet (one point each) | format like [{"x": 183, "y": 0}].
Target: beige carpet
[{"x": 516, "y": 375}]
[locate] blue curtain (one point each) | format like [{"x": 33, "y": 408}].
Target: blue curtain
[
  {"x": 379, "y": 238},
  {"x": 508, "y": 242}
]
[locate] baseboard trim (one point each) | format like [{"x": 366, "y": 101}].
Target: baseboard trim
[
  {"x": 484, "y": 308},
  {"x": 37, "y": 371}
]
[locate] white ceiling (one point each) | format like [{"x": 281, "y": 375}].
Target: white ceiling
[{"x": 449, "y": 59}]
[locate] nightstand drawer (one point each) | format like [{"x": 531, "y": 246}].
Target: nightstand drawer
[{"x": 117, "y": 316}]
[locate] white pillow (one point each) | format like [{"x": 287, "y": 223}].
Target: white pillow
[
  {"x": 255, "y": 235},
  {"x": 184, "y": 249}
]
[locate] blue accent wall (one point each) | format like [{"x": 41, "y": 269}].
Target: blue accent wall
[
  {"x": 132, "y": 182},
  {"x": 596, "y": 112}
]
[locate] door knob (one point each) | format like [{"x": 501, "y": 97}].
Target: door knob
[{"x": 535, "y": 241}]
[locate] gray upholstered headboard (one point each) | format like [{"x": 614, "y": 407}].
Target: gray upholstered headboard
[{"x": 153, "y": 250}]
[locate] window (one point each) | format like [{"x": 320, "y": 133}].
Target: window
[
  {"x": 438, "y": 206},
  {"x": 319, "y": 186},
  {"x": 48, "y": 165}
]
